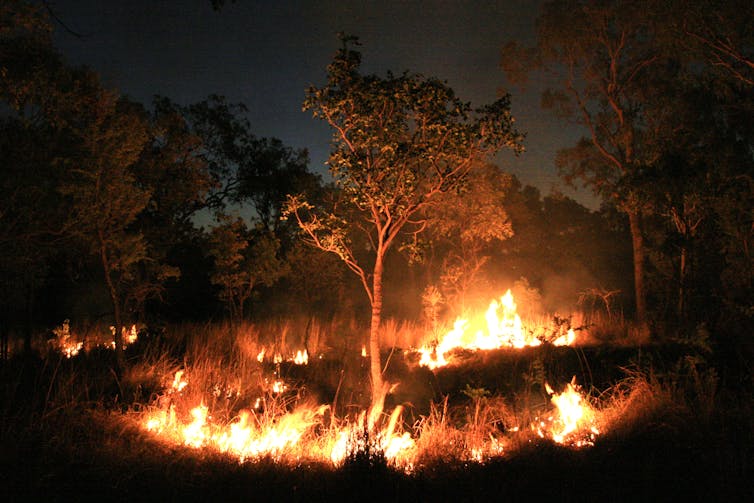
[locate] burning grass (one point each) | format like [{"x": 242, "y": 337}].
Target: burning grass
[
  {"x": 469, "y": 446},
  {"x": 229, "y": 408}
]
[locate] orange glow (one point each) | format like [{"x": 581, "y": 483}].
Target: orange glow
[
  {"x": 500, "y": 327},
  {"x": 301, "y": 433},
  {"x": 301, "y": 358},
  {"x": 251, "y": 435},
  {"x": 573, "y": 421},
  {"x": 70, "y": 345}
]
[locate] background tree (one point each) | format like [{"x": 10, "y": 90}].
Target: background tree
[
  {"x": 103, "y": 197},
  {"x": 398, "y": 143},
  {"x": 244, "y": 168},
  {"x": 603, "y": 54},
  {"x": 467, "y": 224},
  {"x": 719, "y": 32},
  {"x": 173, "y": 171},
  {"x": 272, "y": 171},
  {"x": 243, "y": 261},
  {"x": 29, "y": 222}
]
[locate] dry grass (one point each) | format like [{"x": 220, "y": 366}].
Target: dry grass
[{"x": 57, "y": 412}]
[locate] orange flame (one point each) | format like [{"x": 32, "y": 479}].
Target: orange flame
[
  {"x": 502, "y": 328},
  {"x": 574, "y": 422}
]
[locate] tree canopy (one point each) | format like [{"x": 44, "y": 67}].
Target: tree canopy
[{"x": 399, "y": 142}]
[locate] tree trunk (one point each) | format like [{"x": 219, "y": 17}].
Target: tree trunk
[
  {"x": 682, "y": 282},
  {"x": 375, "y": 363},
  {"x": 115, "y": 299},
  {"x": 637, "y": 240}
]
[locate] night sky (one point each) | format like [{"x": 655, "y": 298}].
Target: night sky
[{"x": 266, "y": 53}]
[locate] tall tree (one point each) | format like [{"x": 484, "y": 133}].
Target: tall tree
[
  {"x": 244, "y": 168},
  {"x": 272, "y": 172},
  {"x": 603, "y": 54},
  {"x": 398, "y": 143},
  {"x": 718, "y": 32},
  {"x": 104, "y": 199},
  {"x": 39, "y": 96}
]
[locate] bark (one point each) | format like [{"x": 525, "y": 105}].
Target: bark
[
  {"x": 682, "y": 282},
  {"x": 637, "y": 241},
  {"x": 375, "y": 363},
  {"x": 115, "y": 299}
]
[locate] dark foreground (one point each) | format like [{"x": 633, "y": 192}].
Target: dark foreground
[{"x": 102, "y": 459}]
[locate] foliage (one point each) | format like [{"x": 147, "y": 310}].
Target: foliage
[
  {"x": 661, "y": 90},
  {"x": 604, "y": 58},
  {"x": 398, "y": 143},
  {"x": 468, "y": 225},
  {"x": 243, "y": 261}
]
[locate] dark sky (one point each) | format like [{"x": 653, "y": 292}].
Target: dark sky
[{"x": 266, "y": 53}]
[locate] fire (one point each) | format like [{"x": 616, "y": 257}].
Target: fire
[
  {"x": 398, "y": 449},
  {"x": 129, "y": 336},
  {"x": 574, "y": 422},
  {"x": 195, "y": 433},
  {"x": 246, "y": 440},
  {"x": 178, "y": 382},
  {"x": 71, "y": 345},
  {"x": 567, "y": 339},
  {"x": 279, "y": 386},
  {"x": 301, "y": 358},
  {"x": 502, "y": 328},
  {"x": 251, "y": 435},
  {"x": 302, "y": 433}
]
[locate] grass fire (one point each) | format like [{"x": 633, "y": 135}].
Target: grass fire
[
  {"x": 253, "y": 398},
  {"x": 408, "y": 308},
  {"x": 282, "y": 425}
]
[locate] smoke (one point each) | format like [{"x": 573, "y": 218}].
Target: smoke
[{"x": 560, "y": 292}]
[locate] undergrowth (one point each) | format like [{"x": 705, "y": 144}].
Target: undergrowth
[{"x": 75, "y": 421}]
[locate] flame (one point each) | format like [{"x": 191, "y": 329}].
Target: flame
[
  {"x": 502, "y": 328},
  {"x": 244, "y": 440},
  {"x": 178, "y": 382},
  {"x": 252, "y": 435},
  {"x": 70, "y": 345},
  {"x": 195, "y": 433},
  {"x": 301, "y": 358},
  {"x": 279, "y": 386},
  {"x": 398, "y": 449},
  {"x": 272, "y": 427},
  {"x": 574, "y": 422},
  {"x": 565, "y": 340},
  {"x": 129, "y": 336}
]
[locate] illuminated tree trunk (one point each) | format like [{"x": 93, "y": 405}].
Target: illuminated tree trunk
[
  {"x": 375, "y": 364},
  {"x": 637, "y": 241}
]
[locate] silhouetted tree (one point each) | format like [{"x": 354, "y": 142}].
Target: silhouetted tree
[
  {"x": 103, "y": 197},
  {"x": 243, "y": 261},
  {"x": 603, "y": 54}
]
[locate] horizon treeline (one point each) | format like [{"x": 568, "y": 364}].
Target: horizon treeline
[{"x": 121, "y": 212}]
